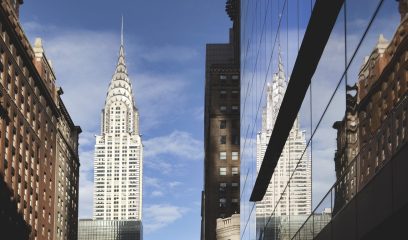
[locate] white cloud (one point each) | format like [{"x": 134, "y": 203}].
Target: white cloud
[
  {"x": 159, "y": 165},
  {"x": 157, "y": 194},
  {"x": 174, "y": 184},
  {"x": 151, "y": 182},
  {"x": 161, "y": 215},
  {"x": 178, "y": 143},
  {"x": 84, "y": 62}
]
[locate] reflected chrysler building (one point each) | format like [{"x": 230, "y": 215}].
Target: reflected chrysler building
[
  {"x": 298, "y": 201},
  {"x": 118, "y": 158}
]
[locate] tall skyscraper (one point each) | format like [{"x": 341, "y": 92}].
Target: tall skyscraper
[
  {"x": 118, "y": 165},
  {"x": 297, "y": 199},
  {"x": 220, "y": 198}
]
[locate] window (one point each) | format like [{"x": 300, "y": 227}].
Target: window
[
  {"x": 223, "y": 155},
  {"x": 223, "y": 171},
  {"x": 223, "y": 187},
  {"x": 234, "y": 184},
  {"x": 234, "y": 156},
  {"x": 223, "y": 94},
  {"x": 223, "y": 77},
  {"x": 235, "y": 139},
  {"x": 235, "y": 77},
  {"x": 234, "y": 108},
  {"x": 223, "y": 124},
  {"x": 223, "y": 108},
  {"x": 223, "y": 202},
  {"x": 234, "y": 94},
  {"x": 234, "y": 171},
  {"x": 223, "y": 139}
]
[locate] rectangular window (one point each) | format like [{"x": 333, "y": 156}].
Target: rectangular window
[
  {"x": 234, "y": 171},
  {"x": 223, "y": 139},
  {"x": 223, "y": 155},
  {"x": 223, "y": 171},
  {"x": 223, "y": 94},
  {"x": 223, "y": 202},
  {"x": 234, "y": 94},
  {"x": 235, "y": 77},
  {"x": 235, "y": 139},
  {"x": 223, "y": 77},
  {"x": 223, "y": 187},
  {"x": 223, "y": 124},
  {"x": 223, "y": 108},
  {"x": 235, "y": 108},
  {"x": 234, "y": 156},
  {"x": 234, "y": 184}
]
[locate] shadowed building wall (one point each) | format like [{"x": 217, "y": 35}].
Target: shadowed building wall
[{"x": 221, "y": 194}]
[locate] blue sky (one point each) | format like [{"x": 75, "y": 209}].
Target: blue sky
[{"x": 165, "y": 52}]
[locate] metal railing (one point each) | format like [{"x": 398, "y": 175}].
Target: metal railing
[{"x": 389, "y": 138}]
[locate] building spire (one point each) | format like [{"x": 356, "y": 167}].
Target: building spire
[
  {"x": 280, "y": 64},
  {"x": 121, "y": 33}
]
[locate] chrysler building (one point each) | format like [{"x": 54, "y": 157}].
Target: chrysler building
[
  {"x": 118, "y": 160},
  {"x": 298, "y": 201}
]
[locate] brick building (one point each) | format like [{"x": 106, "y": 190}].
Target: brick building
[{"x": 29, "y": 152}]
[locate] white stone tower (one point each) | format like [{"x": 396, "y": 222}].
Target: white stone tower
[
  {"x": 299, "y": 202},
  {"x": 118, "y": 162}
]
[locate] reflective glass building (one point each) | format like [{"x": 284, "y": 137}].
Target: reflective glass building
[{"x": 89, "y": 229}]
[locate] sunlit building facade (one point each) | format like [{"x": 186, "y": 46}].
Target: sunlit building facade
[
  {"x": 38, "y": 139},
  {"x": 118, "y": 165},
  {"x": 296, "y": 199}
]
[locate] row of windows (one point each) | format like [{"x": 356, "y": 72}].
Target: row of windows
[
  {"x": 234, "y": 156},
  {"x": 234, "y": 124},
  {"x": 234, "y": 108},
  {"x": 225, "y": 77},
  {"x": 233, "y": 94},
  {"x": 234, "y": 171},
  {"x": 234, "y": 139}
]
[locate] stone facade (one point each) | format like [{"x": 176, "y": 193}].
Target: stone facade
[{"x": 228, "y": 228}]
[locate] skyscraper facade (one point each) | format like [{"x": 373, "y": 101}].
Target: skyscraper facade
[
  {"x": 220, "y": 198},
  {"x": 296, "y": 200},
  {"x": 118, "y": 164},
  {"x": 37, "y": 136}
]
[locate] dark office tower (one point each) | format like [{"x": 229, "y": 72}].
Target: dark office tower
[
  {"x": 220, "y": 198},
  {"x": 375, "y": 128},
  {"x": 38, "y": 140}
]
